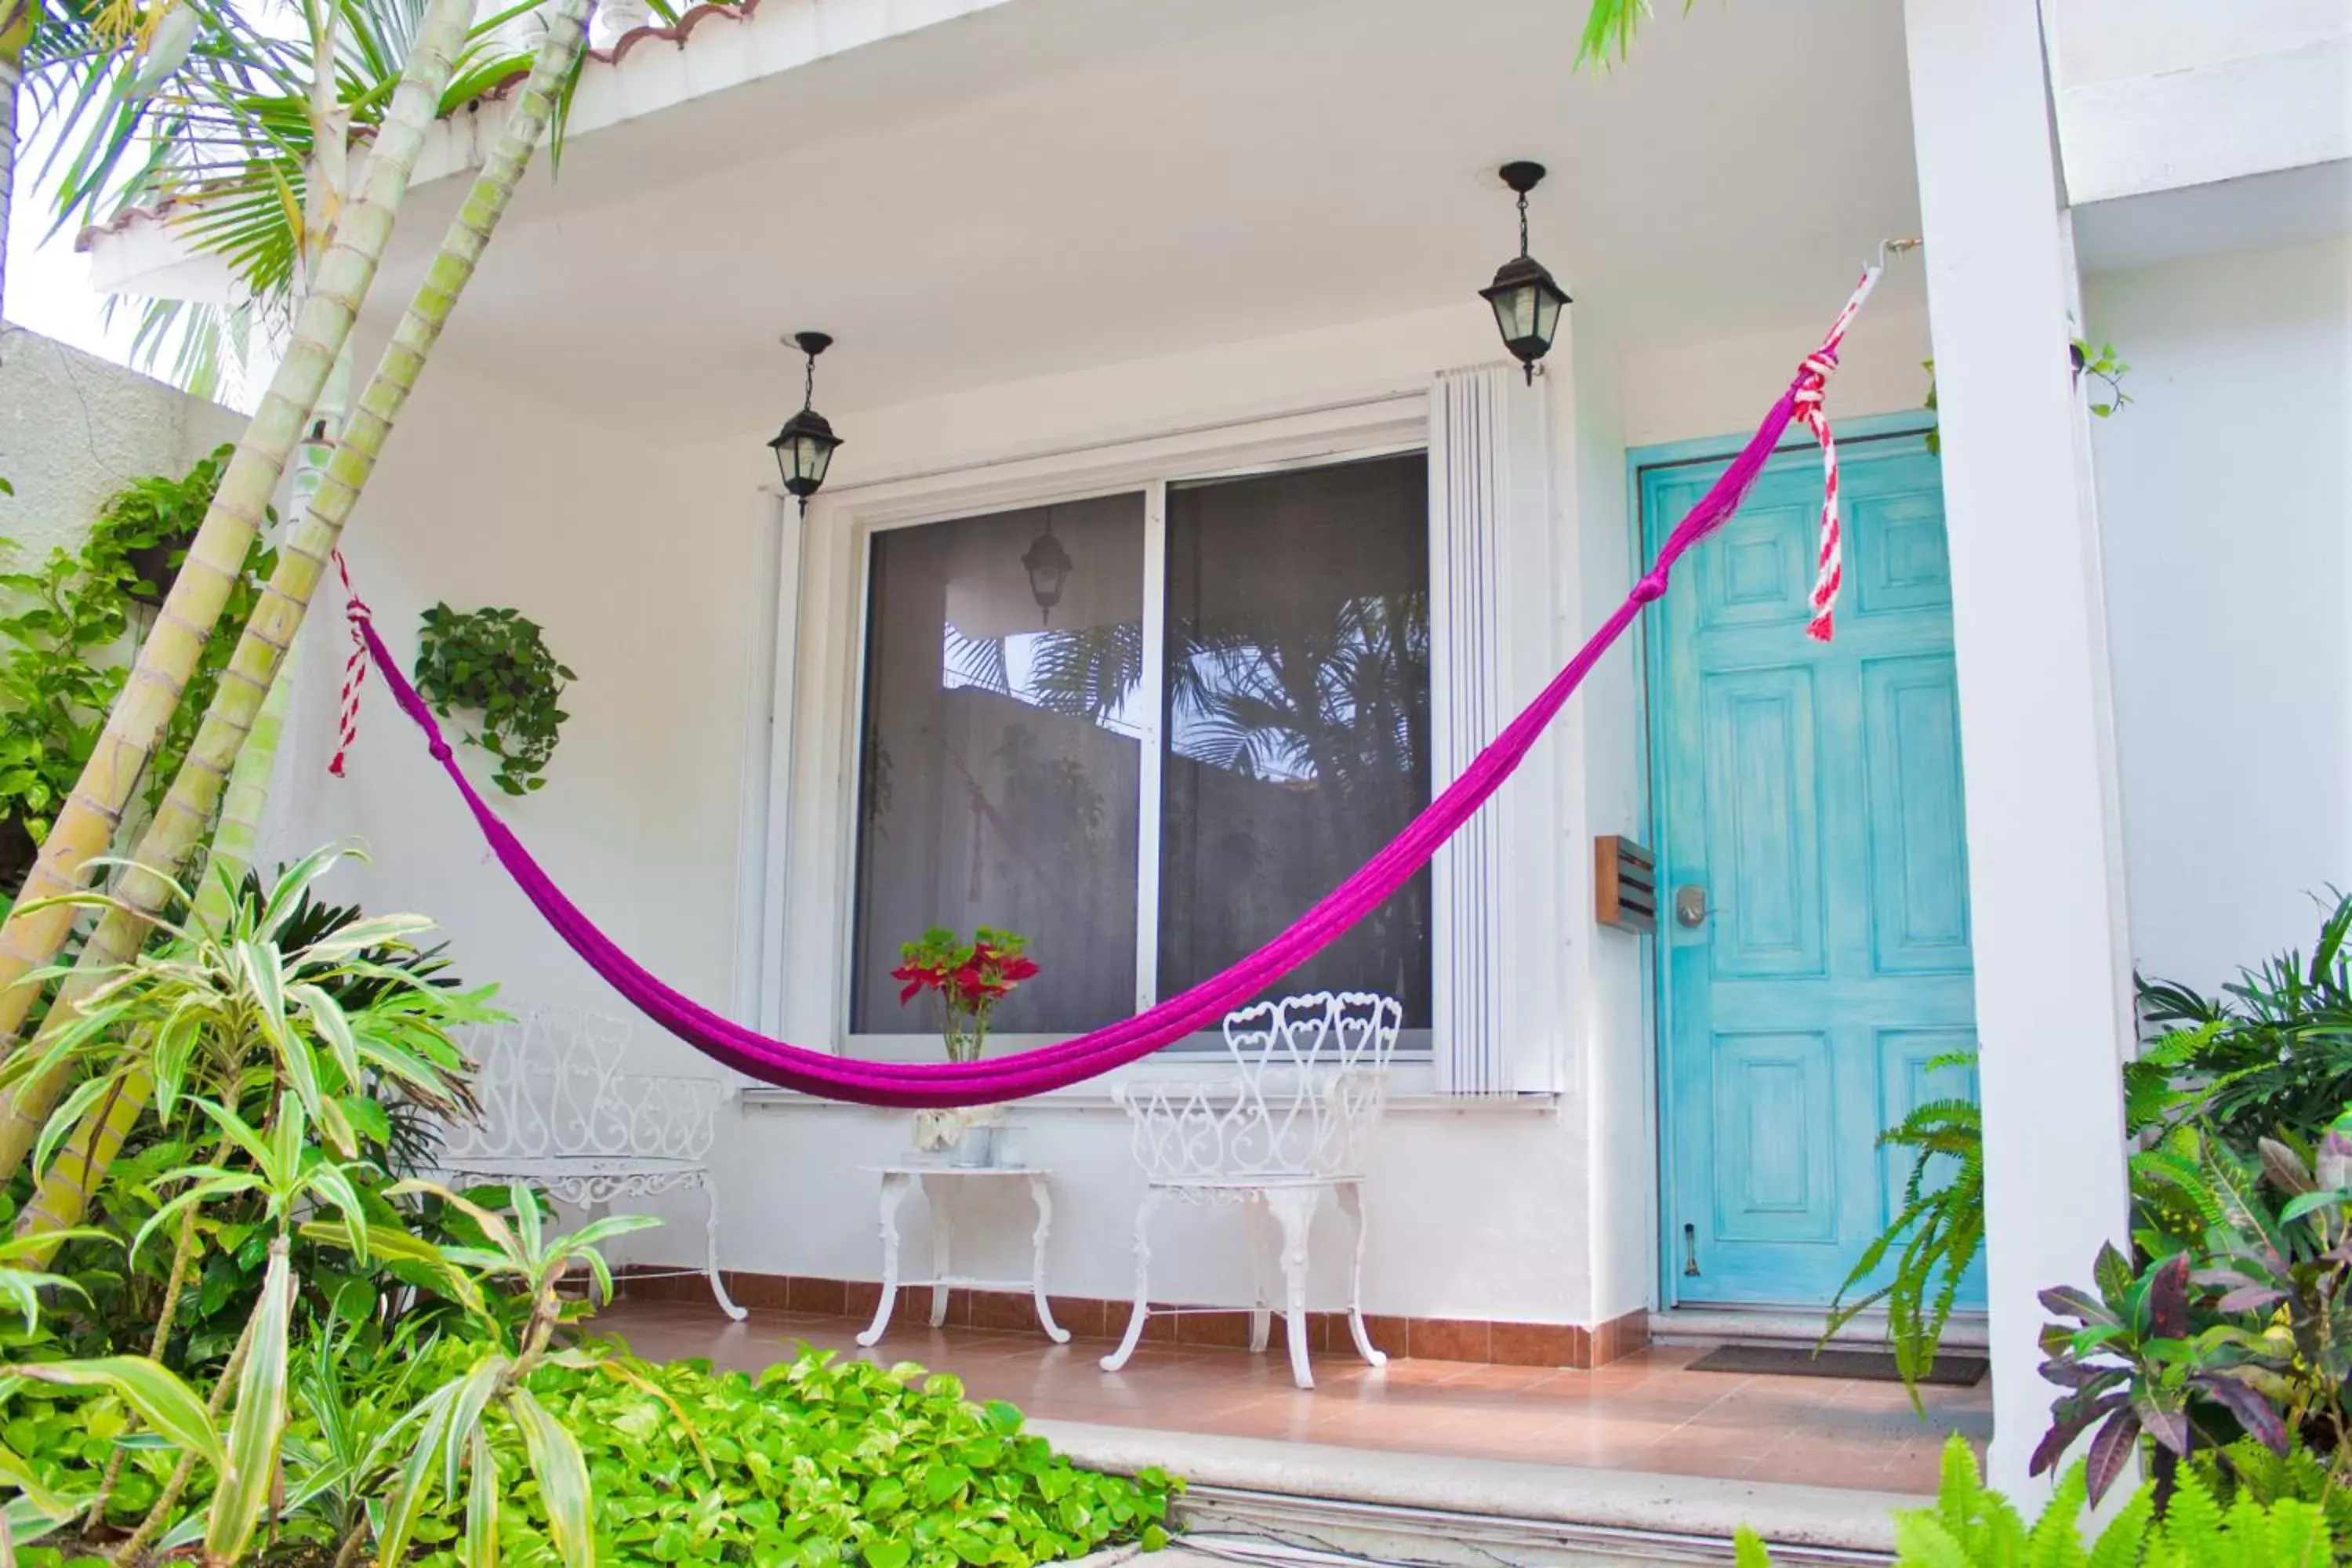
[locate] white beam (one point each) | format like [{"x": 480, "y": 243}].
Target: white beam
[{"x": 2053, "y": 1013}]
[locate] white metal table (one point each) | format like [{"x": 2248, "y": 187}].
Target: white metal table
[{"x": 937, "y": 1181}]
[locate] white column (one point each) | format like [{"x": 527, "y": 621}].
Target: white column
[{"x": 2053, "y": 1012}]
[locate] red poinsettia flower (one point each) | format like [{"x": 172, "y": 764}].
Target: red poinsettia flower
[
  {"x": 972, "y": 987},
  {"x": 970, "y": 979},
  {"x": 919, "y": 978}
]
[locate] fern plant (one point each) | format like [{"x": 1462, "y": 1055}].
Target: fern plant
[
  {"x": 1940, "y": 1228},
  {"x": 1973, "y": 1526}
]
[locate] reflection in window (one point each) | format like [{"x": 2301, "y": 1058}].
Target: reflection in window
[
  {"x": 999, "y": 757},
  {"x": 1297, "y": 692}
]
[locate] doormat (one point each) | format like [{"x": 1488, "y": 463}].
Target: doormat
[{"x": 1872, "y": 1366}]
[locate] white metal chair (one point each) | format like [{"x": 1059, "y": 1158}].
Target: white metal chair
[
  {"x": 556, "y": 1111},
  {"x": 1293, "y": 1122}
]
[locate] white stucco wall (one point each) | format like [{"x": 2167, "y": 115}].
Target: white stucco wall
[
  {"x": 625, "y": 556},
  {"x": 75, "y": 428},
  {"x": 2152, "y": 95},
  {"x": 1619, "y": 1085},
  {"x": 2225, "y": 493},
  {"x": 639, "y": 559}
]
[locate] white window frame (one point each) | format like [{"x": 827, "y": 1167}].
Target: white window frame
[{"x": 807, "y": 947}]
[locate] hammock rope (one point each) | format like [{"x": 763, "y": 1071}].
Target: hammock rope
[{"x": 993, "y": 1080}]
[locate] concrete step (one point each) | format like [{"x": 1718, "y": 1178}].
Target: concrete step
[
  {"x": 1712, "y": 1326},
  {"x": 1303, "y": 1503}
]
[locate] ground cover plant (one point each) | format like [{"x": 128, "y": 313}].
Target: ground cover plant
[
  {"x": 816, "y": 1461},
  {"x": 273, "y": 1342}
]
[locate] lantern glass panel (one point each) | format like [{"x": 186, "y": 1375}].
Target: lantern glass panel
[
  {"x": 1544, "y": 304},
  {"x": 1045, "y": 579},
  {"x": 811, "y": 456},
  {"x": 1515, "y": 312}
]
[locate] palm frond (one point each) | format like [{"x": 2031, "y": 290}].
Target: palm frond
[
  {"x": 1089, "y": 672},
  {"x": 979, "y": 661},
  {"x": 1609, "y": 30},
  {"x": 221, "y": 136}
]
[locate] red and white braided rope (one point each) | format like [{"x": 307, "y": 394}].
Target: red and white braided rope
[
  {"x": 356, "y": 611},
  {"x": 1812, "y": 382}
]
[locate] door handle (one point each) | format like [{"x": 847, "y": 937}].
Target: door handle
[{"x": 1690, "y": 906}]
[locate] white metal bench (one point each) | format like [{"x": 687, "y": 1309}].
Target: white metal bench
[
  {"x": 1293, "y": 1122},
  {"x": 556, "y": 1111}
]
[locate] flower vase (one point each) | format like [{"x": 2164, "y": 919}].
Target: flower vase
[{"x": 974, "y": 1148}]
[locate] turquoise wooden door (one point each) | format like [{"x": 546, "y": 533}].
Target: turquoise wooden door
[{"x": 1814, "y": 936}]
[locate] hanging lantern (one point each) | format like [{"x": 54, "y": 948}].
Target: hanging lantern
[
  {"x": 804, "y": 446},
  {"x": 1048, "y": 565},
  {"x": 1527, "y": 300}
]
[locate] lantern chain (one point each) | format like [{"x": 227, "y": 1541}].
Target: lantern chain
[{"x": 1523, "y": 222}]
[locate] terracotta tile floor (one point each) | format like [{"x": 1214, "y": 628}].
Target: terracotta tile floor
[{"x": 1648, "y": 1412}]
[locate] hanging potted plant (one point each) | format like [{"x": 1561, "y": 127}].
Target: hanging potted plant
[
  {"x": 147, "y": 524},
  {"x": 966, "y": 981},
  {"x": 495, "y": 664}
]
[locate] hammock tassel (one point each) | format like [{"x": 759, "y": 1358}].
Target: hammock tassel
[{"x": 356, "y": 668}]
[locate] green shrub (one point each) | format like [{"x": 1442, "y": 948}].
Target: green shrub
[
  {"x": 63, "y": 654},
  {"x": 1972, "y": 1526},
  {"x": 2274, "y": 1049},
  {"x": 2270, "y": 1057}
]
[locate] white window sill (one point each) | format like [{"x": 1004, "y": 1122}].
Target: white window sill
[{"x": 1412, "y": 1092}]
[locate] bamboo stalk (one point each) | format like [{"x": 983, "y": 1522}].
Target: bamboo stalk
[
  {"x": 93, "y": 811},
  {"x": 63, "y": 1195}
]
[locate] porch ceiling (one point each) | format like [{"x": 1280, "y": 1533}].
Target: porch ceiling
[{"x": 1057, "y": 184}]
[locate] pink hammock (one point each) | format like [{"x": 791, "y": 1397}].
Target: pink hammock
[{"x": 996, "y": 1080}]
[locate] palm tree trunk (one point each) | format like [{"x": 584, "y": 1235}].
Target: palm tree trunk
[
  {"x": 93, "y": 812},
  {"x": 221, "y": 744}
]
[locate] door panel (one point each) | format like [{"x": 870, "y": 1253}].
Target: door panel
[
  {"x": 1918, "y": 835},
  {"x": 1813, "y": 794},
  {"x": 1776, "y": 1111},
  {"x": 1760, "y": 804}
]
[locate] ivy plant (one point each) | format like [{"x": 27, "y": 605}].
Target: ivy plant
[
  {"x": 2100, "y": 363},
  {"x": 494, "y": 664},
  {"x": 57, "y": 683},
  {"x": 135, "y": 549},
  {"x": 63, "y": 650},
  {"x": 145, "y": 527}
]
